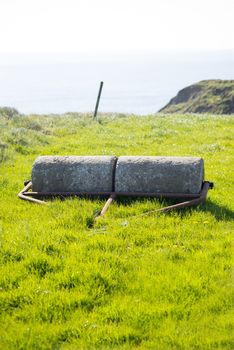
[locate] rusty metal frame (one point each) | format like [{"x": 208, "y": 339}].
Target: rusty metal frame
[
  {"x": 193, "y": 199},
  {"x": 190, "y": 199}
]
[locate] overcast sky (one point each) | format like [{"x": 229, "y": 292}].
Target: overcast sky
[{"x": 50, "y": 26}]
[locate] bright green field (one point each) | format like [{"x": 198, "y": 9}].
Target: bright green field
[{"x": 158, "y": 281}]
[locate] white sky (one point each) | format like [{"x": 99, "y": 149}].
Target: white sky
[{"x": 31, "y": 26}]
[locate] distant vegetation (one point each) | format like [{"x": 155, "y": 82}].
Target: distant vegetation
[
  {"x": 128, "y": 281},
  {"x": 207, "y": 96},
  {"x": 8, "y": 112}
]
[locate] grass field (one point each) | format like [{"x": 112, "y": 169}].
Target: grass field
[{"x": 159, "y": 281}]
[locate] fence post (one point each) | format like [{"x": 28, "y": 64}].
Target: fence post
[{"x": 98, "y": 99}]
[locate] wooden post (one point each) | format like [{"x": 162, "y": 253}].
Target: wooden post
[{"x": 98, "y": 99}]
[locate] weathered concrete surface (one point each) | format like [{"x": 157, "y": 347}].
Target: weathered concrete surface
[
  {"x": 159, "y": 174},
  {"x": 73, "y": 174}
]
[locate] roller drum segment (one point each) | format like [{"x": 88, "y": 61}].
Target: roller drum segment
[
  {"x": 159, "y": 174},
  {"x": 73, "y": 174}
]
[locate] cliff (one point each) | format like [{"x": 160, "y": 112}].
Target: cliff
[{"x": 207, "y": 96}]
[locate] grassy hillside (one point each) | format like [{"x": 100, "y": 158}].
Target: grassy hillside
[
  {"x": 157, "y": 281},
  {"x": 207, "y": 96}
]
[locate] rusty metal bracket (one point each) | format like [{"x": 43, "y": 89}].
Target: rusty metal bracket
[
  {"x": 23, "y": 194},
  {"x": 107, "y": 204}
]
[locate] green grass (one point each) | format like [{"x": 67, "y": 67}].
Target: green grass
[{"x": 159, "y": 281}]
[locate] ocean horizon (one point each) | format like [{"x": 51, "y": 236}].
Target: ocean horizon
[{"x": 135, "y": 82}]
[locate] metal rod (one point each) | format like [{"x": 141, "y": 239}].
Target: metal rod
[
  {"x": 119, "y": 194},
  {"x": 108, "y": 203},
  {"x": 98, "y": 99},
  {"x": 67, "y": 194},
  {"x": 186, "y": 204},
  {"x": 21, "y": 195},
  {"x": 191, "y": 203}
]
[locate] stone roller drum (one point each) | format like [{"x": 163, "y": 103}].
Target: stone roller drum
[{"x": 179, "y": 178}]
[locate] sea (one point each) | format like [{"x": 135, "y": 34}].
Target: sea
[{"x": 134, "y": 82}]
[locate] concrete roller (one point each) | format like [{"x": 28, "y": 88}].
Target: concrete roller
[
  {"x": 166, "y": 177},
  {"x": 73, "y": 174},
  {"x": 133, "y": 174},
  {"x": 159, "y": 174}
]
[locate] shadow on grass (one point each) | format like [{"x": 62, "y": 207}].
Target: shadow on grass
[{"x": 220, "y": 212}]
